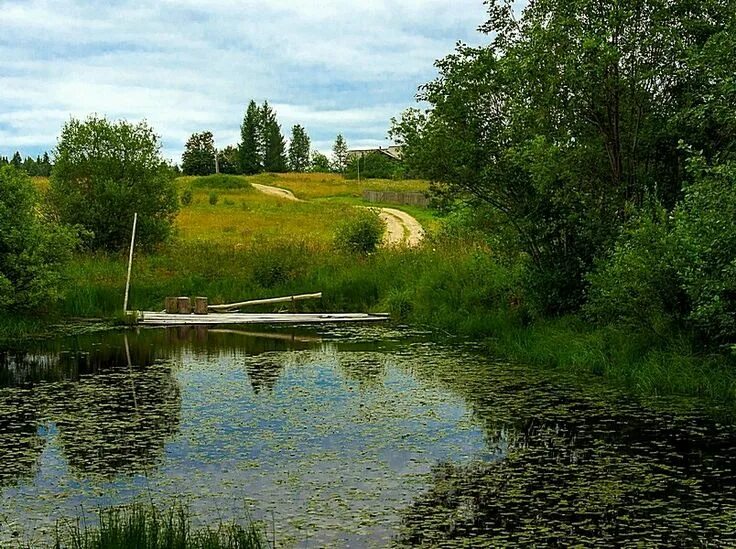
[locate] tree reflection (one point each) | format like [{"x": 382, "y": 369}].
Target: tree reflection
[
  {"x": 582, "y": 467},
  {"x": 20, "y": 445},
  {"x": 118, "y": 420}
]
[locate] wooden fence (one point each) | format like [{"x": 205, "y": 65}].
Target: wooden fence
[{"x": 391, "y": 197}]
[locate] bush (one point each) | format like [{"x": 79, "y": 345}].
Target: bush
[
  {"x": 637, "y": 285},
  {"x": 104, "y": 172},
  {"x": 705, "y": 236},
  {"x": 361, "y": 233},
  {"x": 32, "y": 249},
  {"x": 374, "y": 165},
  {"x": 221, "y": 181},
  {"x": 214, "y": 198},
  {"x": 186, "y": 197}
]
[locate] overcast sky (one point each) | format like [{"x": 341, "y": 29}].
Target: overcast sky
[{"x": 332, "y": 65}]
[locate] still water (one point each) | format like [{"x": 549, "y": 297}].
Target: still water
[{"x": 351, "y": 436}]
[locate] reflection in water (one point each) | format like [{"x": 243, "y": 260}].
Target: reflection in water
[
  {"x": 20, "y": 446},
  {"x": 581, "y": 467},
  {"x": 353, "y": 436}
]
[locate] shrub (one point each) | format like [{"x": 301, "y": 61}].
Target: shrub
[
  {"x": 213, "y": 198},
  {"x": 32, "y": 249},
  {"x": 637, "y": 284},
  {"x": 705, "y": 236},
  {"x": 361, "y": 233},
  {"x": 221, "y": 181},
  {"x": 374, "y": 165},
  {"x": 104, "y": 172},
  {"x": 186, "y": 197}
]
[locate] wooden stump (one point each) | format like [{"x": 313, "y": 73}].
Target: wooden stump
[
  {"x": 184, "y": 305},
  {"x": 171, "y": 305},
  {"x": 200, "y": 305}
]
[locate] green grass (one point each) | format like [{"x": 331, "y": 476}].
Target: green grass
[{"x": 144, "y": 526}]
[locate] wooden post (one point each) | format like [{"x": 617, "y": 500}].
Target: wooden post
[
  {"x": 184, "y": 305},
  {"x": 171, "y": 305},
  {"x": 200, "y": 305},
  {"x": 130, "y": 263}
]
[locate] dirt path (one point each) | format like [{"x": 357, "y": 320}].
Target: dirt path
[
  {"x": 401, "y": 228},
  {"x": 275, "y": 191}
]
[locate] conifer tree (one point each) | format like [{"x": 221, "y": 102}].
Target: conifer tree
[
  {"x": 250, "y": 151},
  {"x": 340, "y": 154},
  {"x": 274, "y": 147},
  {"x": 299, "y": 149}
]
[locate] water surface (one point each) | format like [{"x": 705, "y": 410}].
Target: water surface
[{"x": 351, "y": 436}]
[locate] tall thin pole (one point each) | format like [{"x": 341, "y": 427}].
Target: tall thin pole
[{"x": 130, "y": 263}]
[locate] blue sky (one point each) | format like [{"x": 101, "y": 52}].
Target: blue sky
[{"x": 332, "y": 65}]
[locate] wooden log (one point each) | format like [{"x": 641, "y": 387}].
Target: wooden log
[
  {"x": 184, "y": 305},
  {"x": 269, "y": 301},
  {"x": 200, "y": 306},
  {"x": 171, "y": 305}
]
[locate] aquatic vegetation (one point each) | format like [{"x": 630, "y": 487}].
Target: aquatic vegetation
[
  {"x": 141, "y": 526},
  {"x": 354, "y": 435}
]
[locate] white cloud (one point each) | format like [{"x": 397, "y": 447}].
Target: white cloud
[{"x": 331, "y": 65}]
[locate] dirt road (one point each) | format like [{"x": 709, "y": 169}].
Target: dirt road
[{"x": 401, "y": 228}]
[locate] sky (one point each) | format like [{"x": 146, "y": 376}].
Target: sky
[{"x": 334, "y": 66}]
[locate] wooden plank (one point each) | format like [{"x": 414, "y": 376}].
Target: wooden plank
[
  {"x": 232, "y": 306},
  {"x": 162, "y": 319}
]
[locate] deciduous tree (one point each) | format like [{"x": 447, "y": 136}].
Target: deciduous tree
[
  {"x": 104, "y": 172},
  {"x": 199, "y": 154}
]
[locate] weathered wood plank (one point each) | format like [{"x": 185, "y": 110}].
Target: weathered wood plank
[{"x": 163, "y": 319}]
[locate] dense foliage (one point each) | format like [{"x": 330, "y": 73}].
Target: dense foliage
[
  {"x": 32, "y": 249},
  {"x": 570, "y": 124},
  {"x": 104, "y": 172},
  {"x": 320, "y": 163},
  {"x": 199, "y": 154},
  {"x": 374, "y": 165}
]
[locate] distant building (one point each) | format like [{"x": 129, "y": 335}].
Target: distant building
[{"x": 392, "y": 151}]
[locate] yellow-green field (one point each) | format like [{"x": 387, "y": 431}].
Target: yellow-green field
[{"x": 242, "y": 216}]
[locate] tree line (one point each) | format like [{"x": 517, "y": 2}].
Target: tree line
[
  {"x": 600, "y": 138},
  {"x": 41, "y": 166},
  {"x": 262, "y": 148}
]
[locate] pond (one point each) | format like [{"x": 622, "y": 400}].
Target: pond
[{"x": 351, "y": 436}]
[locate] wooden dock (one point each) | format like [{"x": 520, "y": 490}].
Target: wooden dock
[{"x": 151, "y": 318}]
